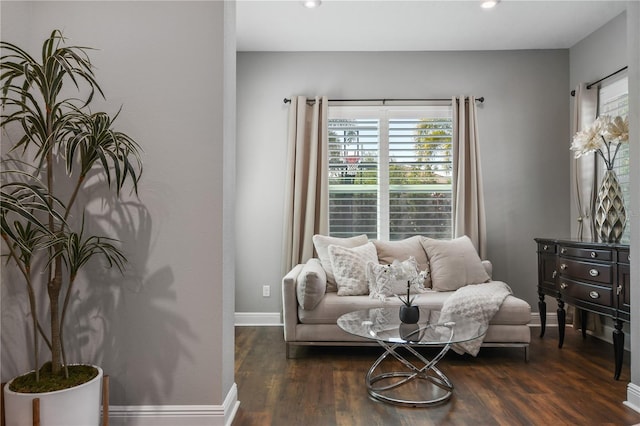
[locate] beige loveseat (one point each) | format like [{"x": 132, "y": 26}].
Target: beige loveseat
[{"x": 314, "y": 294}]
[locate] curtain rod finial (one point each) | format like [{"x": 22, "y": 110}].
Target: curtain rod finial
[{"x": 286, "y": 101}]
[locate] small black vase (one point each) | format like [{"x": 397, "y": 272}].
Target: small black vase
[{"x": 409, "y": 314}]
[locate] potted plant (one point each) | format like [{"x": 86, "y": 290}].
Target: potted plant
[
  {"x": 409, "y": 313},
  {"x": 56, "y": 147}
]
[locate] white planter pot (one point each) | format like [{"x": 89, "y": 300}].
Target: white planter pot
[{"x": 77, "y": 406}]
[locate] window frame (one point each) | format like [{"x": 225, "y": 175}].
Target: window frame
[{"x": 385, "y": 114}]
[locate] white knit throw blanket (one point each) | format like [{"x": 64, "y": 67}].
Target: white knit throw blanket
[{"x": 479, "y": 302}]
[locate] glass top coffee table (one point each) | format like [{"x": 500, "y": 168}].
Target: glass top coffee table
[{"x": 411, "y": 379}]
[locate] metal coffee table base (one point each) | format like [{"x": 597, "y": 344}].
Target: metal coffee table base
[{"x": 428, "y": 372}]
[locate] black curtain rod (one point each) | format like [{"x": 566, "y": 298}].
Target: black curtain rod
[
  {"x": 480, "y": 99},
  {"x": 590, "y": 85}
]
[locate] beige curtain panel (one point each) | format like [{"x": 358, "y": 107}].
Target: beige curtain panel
[
  {"x": 468, "y": 201},
  {"x": 306, "y": 187}
]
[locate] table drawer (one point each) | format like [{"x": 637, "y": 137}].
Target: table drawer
[
  {"x": 547, "y": 247},
  {"x": 595, "y": 294},
  {"x": 573, "y": 269},
  {"x": 595, "y": 254}
]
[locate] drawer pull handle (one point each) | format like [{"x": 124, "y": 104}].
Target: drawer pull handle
[
  {"x": 563, "y": 250},
  {"x": 545, "y": 247},
  {"x": 594, "y": 254},
  {"x": 594, "y": 294},
  {"x": 564, "y": 285},
  {"x": 555, "y": 274},
  {"x": 563, "y": 266},
  {"x": 594, "y": 272}
]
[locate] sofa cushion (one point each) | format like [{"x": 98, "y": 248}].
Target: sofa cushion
[
  {"x": 322, "y": 242},
  {"x": 388, "y": 251},
  {"x": 350, "y": 267},
  {"x": 389, "y": 280},
  {"x": 311, "y": 285},
  {"x": 454, "y": 263},
  {"x": 513, "y": 311}
]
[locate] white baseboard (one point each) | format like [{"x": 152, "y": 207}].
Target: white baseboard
[
  {"x": 633, "y": 397},
  {"x": 172, "y": 415},
  {"x": 552, "y": 320},
  {"x": 257, "y": 319}
]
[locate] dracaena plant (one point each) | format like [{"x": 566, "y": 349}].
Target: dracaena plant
[{"x": 55, "y": 143}]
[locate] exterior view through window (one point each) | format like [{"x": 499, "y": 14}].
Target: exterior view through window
[{"x": 390, "y": 171}]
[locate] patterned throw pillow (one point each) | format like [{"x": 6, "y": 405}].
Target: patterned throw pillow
[
  {"x": 322, "y": 242},
  {"x": 389, "y": 280},
  {"x": 349, "y": 268}
]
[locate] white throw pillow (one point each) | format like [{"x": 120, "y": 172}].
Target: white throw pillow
[
  {"x": 389, "y": 280},
  {"x": 350, "y": 268},
  {"x": 454, "y": 263},
  {"x": 322, "y": 242},
  {"x": 311, "y": 285}
]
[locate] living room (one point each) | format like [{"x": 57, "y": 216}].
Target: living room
[{"x": 210, "y": 235}]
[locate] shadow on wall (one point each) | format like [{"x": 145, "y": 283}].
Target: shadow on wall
[
  {"x": 126, "y": 323},
  {"x": 142, "y": 338}
]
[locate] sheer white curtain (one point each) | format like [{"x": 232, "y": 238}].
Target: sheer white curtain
[
  {"x": 583, "y": 178},
  {"x": 306, "y": 187},
  {"x": 468, "y": 201}
]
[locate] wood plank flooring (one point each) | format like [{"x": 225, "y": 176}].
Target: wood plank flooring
[{"x": 324, "y": 386}]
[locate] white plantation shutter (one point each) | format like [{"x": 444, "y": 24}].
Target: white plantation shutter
[
  {"x": 390, "y": 171},
  {"x": 613, "y": 100}
]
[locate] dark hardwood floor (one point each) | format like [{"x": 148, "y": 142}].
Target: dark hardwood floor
[{"x": 325, "y": 385}]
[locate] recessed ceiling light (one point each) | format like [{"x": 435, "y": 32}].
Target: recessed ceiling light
[
  {"x": 311, "y": 4},
  {"x": 489, "y": 4}
]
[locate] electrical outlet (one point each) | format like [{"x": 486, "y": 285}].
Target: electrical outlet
[{"x": 266, "y": 291}]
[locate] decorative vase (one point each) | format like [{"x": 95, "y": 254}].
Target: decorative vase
[
  {"x": 77, "y": 406},
  {"x": 409, "y": 314},
  {"x": 610, "y": 214}
]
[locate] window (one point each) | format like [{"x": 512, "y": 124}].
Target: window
[
  {"x": 390, "y": 171},
  {"x": 614, "y": 100}
]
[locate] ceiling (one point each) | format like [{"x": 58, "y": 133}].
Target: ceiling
[{"x": 370, "y": 25}]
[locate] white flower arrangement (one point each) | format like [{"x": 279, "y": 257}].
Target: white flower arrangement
[{"x": 600, "y": 136}]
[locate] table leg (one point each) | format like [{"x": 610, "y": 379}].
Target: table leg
[
  {"x": 562, "y": 314},
  {"x": 618, "y": 348},
  {"x": 427, "y": 372},
  {"x": 542, "y": 308}
]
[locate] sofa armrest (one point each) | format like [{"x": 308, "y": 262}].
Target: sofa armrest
[
  {"x": 488, "y": 266},
  {"x": 290, "y": 303}
]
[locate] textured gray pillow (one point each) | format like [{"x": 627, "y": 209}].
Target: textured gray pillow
[
  {"x": 311, "y": 285},
  {"x": 388, "y": 280},
  {"x": 350, "y": 268},
  {"x": 322, "y": 243},
  {"x": 454, "y": 263}
]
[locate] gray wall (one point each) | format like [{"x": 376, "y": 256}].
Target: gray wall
[
  {"x": 164, "y": 330},
  {"x": 524, "y": 128}
]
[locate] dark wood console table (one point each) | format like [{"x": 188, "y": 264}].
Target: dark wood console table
[{"x": 588, "y": 275}]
